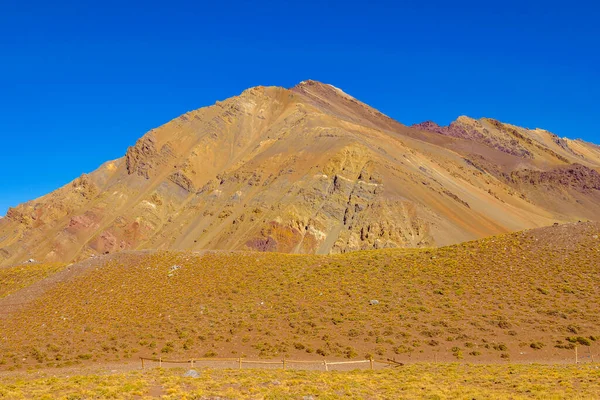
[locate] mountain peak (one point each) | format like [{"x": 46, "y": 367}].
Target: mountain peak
[
  {"x": 309, "y": 169},
  {"x": 312, "y": 85},
  {"x": 309, "y": 82}
]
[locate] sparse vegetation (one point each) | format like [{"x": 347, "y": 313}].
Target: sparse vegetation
[
  {"x": 15, "y": 278},
  {"x": 272, "y": 305},
  {"x": 536, "y": 345},
  {"x": 580, "y": 340}
]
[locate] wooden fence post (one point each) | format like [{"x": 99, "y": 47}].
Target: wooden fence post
[
  {"x": 192, "y": 363},
  {"x": 240, "y": 362},
  {"x": 325, "y": 363},
  {"x": 576, "y": 361},
  {"x": 160, "y": 362},
  {"x": 141, "y": 358},
  {"x": 283, "y": 363},
  {"x": 371, "y": 362}
]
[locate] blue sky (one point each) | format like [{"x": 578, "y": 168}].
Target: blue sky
[{"x": 81, "y": 80}]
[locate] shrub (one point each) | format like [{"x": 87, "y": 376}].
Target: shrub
[
  {"x": 583, "y": 341},
  {"x": 504, "y": 324},
  {"x": 536, "y": 345},
  {"x": 402, "y": 349},
  {"x": 579, "y": 339},
  {"x": 353, "y": 333},
  {"x": 457, "y": 352},
  {"x": 38, "y": 355},
  {"x": 168, "y": 348},
  {"x": 568, "y": 346},
  {"x": 350, "y": 352},
  {"x": 573, "y": 328}
]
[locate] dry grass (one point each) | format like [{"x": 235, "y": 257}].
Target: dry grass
[
  {"x": 427, "y": 381},
  {"x": 15, "y": 278},
  {"x": 528, "y": 296}
]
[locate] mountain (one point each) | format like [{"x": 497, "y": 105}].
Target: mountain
[{"x": 309, "y": 170}]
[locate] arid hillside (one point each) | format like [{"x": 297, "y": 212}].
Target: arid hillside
[
  {"x": 309, "y": 170},
  {"x": 529, "y": 296}
]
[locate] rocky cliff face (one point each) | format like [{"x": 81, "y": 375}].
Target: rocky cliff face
[
  {"x": 573, "y": 176},
  {"x": 309, "y": 170}
]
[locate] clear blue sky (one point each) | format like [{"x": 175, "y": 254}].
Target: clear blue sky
[{"x": 81, "y": 80}]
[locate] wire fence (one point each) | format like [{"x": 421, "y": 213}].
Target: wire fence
[
  {"x": 285, "y": 363},
  {"x": 580, "y": 357}
]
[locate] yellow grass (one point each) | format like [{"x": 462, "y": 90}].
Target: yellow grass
[
  {"x": 14, "y": 278},
  {"x": 439, "y": 381}
]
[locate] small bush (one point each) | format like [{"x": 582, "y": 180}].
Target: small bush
[
  {"x": 573, "y": 329},
  {"x": 559, "y": 345},
  {"x": 38, "y": 355},
  {"x": 402, "y": 349},
  {"x": 579, "y": 339},
  {"x": 504, "y": 324},
  {"x": 457, "y": 352},
  {"x": 353, "y": 333},
  {"x": 321, "y": 352},
  {"x": 168, "y": 348},
  {"x": 350, "y": 353},
  {"x": 584, "y": 341}
]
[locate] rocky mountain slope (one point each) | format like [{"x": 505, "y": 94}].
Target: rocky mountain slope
[{"x": 309, "y": 170}]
